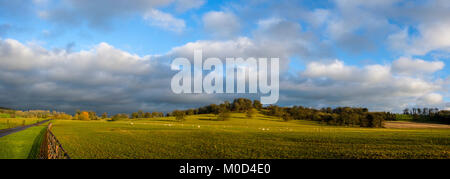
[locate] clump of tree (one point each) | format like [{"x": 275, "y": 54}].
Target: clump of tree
[
  {"x": 224, "y": 112},
  {"x": 179, "y": 115},
  {"x": 135, "y": 115},
  {"x": 257, "y": 105},
  {"x": 286, "y": 117},
  {"x": 240, "y": 105},
  {"x": 85, "y": 115},
  {"x": 224, "y": 116}
]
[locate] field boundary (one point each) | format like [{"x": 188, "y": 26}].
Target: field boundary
[{"x": 51, "y": 148}]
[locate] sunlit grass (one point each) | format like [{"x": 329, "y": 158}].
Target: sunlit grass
[
  {"x": 260, "y": 137},
  {"x": 22, "y": 145},
  {"x": 6, "y": 123}
]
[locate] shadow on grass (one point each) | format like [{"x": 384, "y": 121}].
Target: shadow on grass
[
  {"x": 35, "y": 149},
  {"x": 163, "y": 120},
  {"x": 211, "y": 119},
  {"x": 144, "y": 120},
  {"x": 424, "y": 121},
  {"x": 267, "y": 118}
]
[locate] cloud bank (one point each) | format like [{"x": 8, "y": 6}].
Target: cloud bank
[{"x": 317, "y": 47}]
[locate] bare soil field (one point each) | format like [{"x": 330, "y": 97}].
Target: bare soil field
[{"x": 405, "y": 124}]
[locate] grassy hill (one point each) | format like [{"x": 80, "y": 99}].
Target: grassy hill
[{"x": 201, "y": 137}]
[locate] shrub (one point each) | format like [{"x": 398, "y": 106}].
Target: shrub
[
  {"x": 104, "y": 115},
  {"x": 286, "y": 117},
  {"x": 250, "y": 113},
  {"x": 119, "y": 117},
  {"x": 84, "y": 116},
  {"x": 224, "y": 116}
]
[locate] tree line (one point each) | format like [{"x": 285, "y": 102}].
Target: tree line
[
  {"x": 90, "y": 115},
  {"x": 31, "y": 113},
  {"x": 427, "y": 114},
  {"x": 79, "y": 115}
]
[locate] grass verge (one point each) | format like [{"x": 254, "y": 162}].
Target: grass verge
[{"x": 22, "y": 145}]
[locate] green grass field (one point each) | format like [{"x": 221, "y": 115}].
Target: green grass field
[
  {"x": 262, "y": 137},
  {"x": 22, "y": 145},
  {"x": 6, "y": 123}
]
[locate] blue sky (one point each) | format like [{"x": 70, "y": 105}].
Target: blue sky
[{"x": 383, "y": 54}]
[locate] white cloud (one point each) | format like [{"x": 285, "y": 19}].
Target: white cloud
[
  {"x": 110, "y": 78},
  {"x": 16, "y": 56},
  {"x": 431, "y": 99},
  {"x": 431, "y": 37},
  {"x": 164, "y": 20},
  {"x": 107, "y": 78},
  {"x": 356, "y": 25},
  {"x": 425, "y": 25},
  {"x": 318, "y": 17},
  {"x": 104, "y": 72},
  {"x": 335, "y": 70},
  {"x": 100, "y": 13},
  {"x": 102, "y": 78},
  {"x": 268, "y": 23},
  {"x": 38, "y": 2},
  {"x": 416, "y": 66},
  {"x": 184, "y": 5},
  {"x": 276, "y": 38},
  {"x": 373, "y": 86},
  {"x": 286, "y": 37},
  {"x": 377, "y": 73},
  {"x": 221, "y": 49},
  {"x": 221, "y": 24},
  {"x": 43, "y": 14}
]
